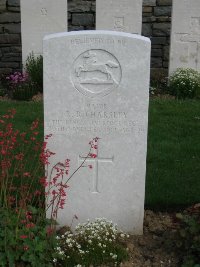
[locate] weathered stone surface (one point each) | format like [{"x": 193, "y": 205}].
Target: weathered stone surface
[
  {"x": 149, "y": 2},
  {"x": 40, "y": 18},
  {"x": 164, "y": 2},
  {"x": 185, "y": 35},
  {"x": 81, "y": 101},
  {"x": 2, "y": 5},
  {"x": 162, "y": 11},
  {"x": 146, "y": 29},
  {"x": 161, "y": 29},
  {"x": 119, "y": 15},
  {"x": 9, "y": 38},
  {"x": 9, "y": 17},
  {"x": 82, "y": 19}
]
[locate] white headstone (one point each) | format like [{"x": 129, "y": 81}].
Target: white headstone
[
  {"x": 96, "y": 84},
  {"x": 119, "y": 15},
  {"x": 185, "y": 35},
  {"x": 39, "y": 18}
]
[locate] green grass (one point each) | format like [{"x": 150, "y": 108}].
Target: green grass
[{"x": 173, "y": 160}]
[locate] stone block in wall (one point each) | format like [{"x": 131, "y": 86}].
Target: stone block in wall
[
  {"x": 162, "y": 11},
  {"x": 166, "y": 64},
  {"x": 10, "y": 28},
  {"x": 149, "y": 19},
  {"x": 158, "y": 40},
  {"x": 2, "y": 5},
  {"x": 161, "y": 29},
  {"x": 10, "y": 17},
  {"x": 163, "y": 19},
  {"x": 149, "y": 2},
  {"x": 166, "y": 53},
  {"x": 147, "y": 9},
  {"x": 12, "y": 57},
  {"x": 93, "y": 7},
  {"x": 10, "y": 38},
  {"x": 156, "y": 62},
  {"x": 83, "y": 19},
  {"x": 69, "y": 16},
  {"x": 79, "y": 6},
  {"x": 156, "y": 52},
  {"x": 146, "y": 29},
  {"x": 13, "y": 8},
  {"x": 164, "y": 2},
  {"x": 15, "y": 3},
  {"x": 157, "y": 74},
  {"x": 16, "y": 49},
  {"x": 4, "y": 71},
  {"x": 9, "y": 65}
]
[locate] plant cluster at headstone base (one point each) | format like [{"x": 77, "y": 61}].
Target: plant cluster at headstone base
[
  {"x": 28, "y": 238},
  {"x": 20, "y": 86},
  {"x": 26, "y": 235},
  {"x": 185, "y": 83},
  {"x": 96, "y": 243},
  {"x": 23, "y": 86},
  {"x": 187, "y": 236}
]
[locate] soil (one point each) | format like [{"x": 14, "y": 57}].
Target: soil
[{"x": 153, "y": 248}]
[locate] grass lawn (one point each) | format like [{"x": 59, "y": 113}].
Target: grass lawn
[{"x": 173, "y": 160}]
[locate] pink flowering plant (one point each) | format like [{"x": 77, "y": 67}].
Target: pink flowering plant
[
  {"x": 27, "y": 192},
  {"x": 20, "y": 86}
]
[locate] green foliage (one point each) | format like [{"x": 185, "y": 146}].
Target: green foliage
[
  {"x": 188, "y": 236},
  {"x": 34, "y": 67},
  {"x": 93, "y": 243},
  {"x": 24, "y": 91},
  {"x": 185, "y": 83},
  {"x": 2, "y": 91},
  {"x": 28, "y": 242}
]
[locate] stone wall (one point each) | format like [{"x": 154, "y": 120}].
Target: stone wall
[{"x": 81, "y": 16}]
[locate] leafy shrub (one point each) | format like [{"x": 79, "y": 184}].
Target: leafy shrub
[
  {"x": 188, "y": 236},
  {"x": 98, "y": 242},
  {"x": 20, "y": 86},
  {"x": 185, "y": 83},
  {"x": 34, "y": 67}
]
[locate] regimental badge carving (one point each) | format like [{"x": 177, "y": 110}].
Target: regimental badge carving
[{"x": 96, "y": 73}]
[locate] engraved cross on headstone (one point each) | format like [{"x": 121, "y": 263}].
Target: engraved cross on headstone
[{"x": 96, "y": 161}]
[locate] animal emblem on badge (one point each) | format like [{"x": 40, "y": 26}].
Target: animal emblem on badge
[{"x": 96, "y": 73}]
